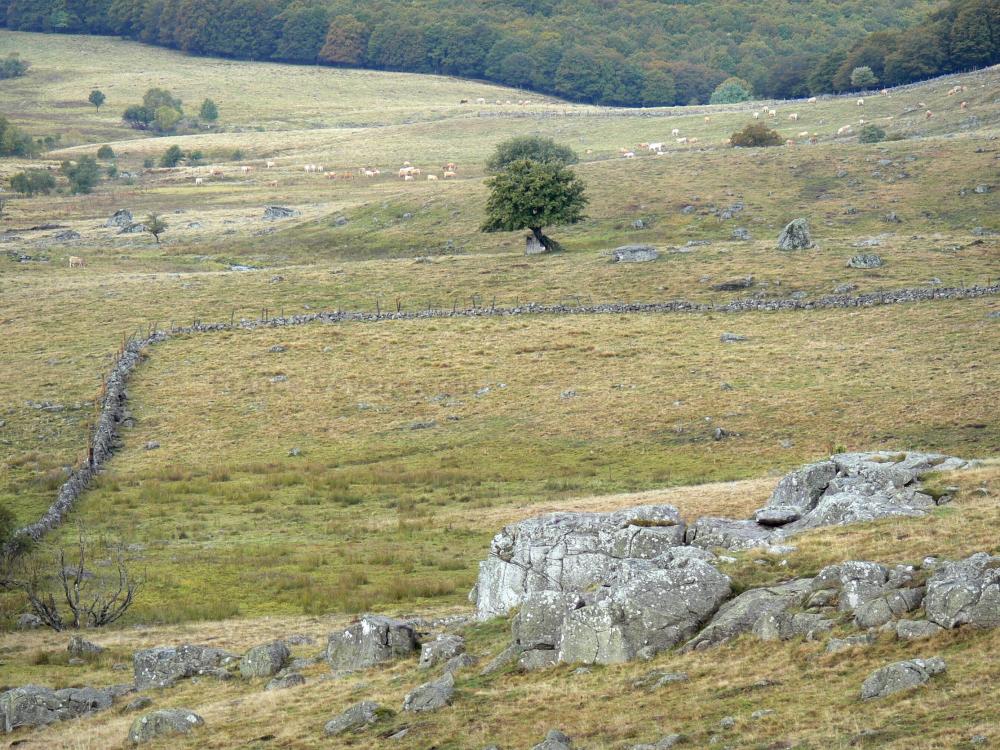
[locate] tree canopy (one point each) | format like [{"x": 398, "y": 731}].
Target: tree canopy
[
  {"x": 531, "y": 147},
  {"x": 533, "y": 195},
  {"x": 640, "y": 52}
]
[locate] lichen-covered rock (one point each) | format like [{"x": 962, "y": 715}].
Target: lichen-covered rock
[
  {"x": 783, "y": 626},
  {"x": 648, "y": 610},
  {"x": 865, "y": 260},
  {"x": 442, "y": 648},
  {"x": 634, "y": 254},
  {"x": 554, "y": 740},
  {"x": 875, "y": 593},
  {"x": 901, "y": 675},
  {"x": 966, "y": 592},
  {"x": 795, "y": 236},
  {"x": 279, "y": 212},
  {"x": 265, "y": 660},
  {"x": 29, "y": 621},
  {"x": 354, "y": 719},
  {"x": 664, "y": 743},
  {"x": 291, "y": 679},
  {"x": 914, "y": 630},
  {"x": 888, "y": 606},
  {"x": 80, "y": 647},
  {"x": 802, "y": 488},
  {"x": 708, "y": 532},
  {"x": 120, "y": 218},
  {"x": 570, "y": 552},
  {"x": 539, "y": 622},
  {"x": 34, "y": 706},
  {"x": 372, "y": 640},
  {"x": 162, "y": 723},
  {"x": 777, "y": 515},
  {"x": 739, "y": 615},
  {"x": 431, "y": 696},
  {"x": 162, "y": 666}
]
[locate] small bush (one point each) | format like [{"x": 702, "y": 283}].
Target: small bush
[
  {"x": 756, "y": 135},
  {"x": 237, "y": 155},
  {"x": 33, "y": 182},
  {"x": 171, "y": 157},
  {"x": 105, "y": 152},
  {"x": 871, "y": 134},
  {"x": 13, "y": 67}
]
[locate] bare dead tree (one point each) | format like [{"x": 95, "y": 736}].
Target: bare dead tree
[{"x": 92, "y": 602}]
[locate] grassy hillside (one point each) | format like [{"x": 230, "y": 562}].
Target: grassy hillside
[{"x": 418, "y": 440}]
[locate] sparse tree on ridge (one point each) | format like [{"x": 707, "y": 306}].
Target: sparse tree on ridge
[
  {"x": 155, "y": 226},
  {"x": 534, "y": 148},
  {"x": 208, "y": 111}
]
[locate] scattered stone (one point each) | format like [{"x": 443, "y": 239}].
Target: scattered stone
[
  {"x": 728, "y": 722},
  {"x": 34, "y": 706},
  {"x": 664, "y": 743},
  {"x": 279, "y": 212},
  {"x": 742, "y": 234},
  {"x": 340, "y": 221},
  {"x": 796, "y": 236},
  {"x": 431, "y": 696},
  {"x": 277, "y": 349},
  {"x": 892, "y": 218},
  {"x": 913, "y": 630},
  {"x": 638, "y": 224},
  {"x": 731, "y": 338},
  {"x": 83, "y": 648},
  {"x": 983, "y": 232},
  {"x": 137, "y": 704},
  {"x": 281, "y": 682},
  {"x": 162, "y": 666},
  {"x": 634, "y": 254},
  {"x": 836, "y": 645},
  {"x": 134, "y": 228},
  {"x": 460, "y": 662},
  {"x": 442, "y": 648},
  {"x": 866, "y": 260},
  {"x": 901, "y": 675},
  {"x": 161, "y": 723},
  {"x": 555, "y": 740},
  {"x": 658, "y": 678},
  {"x": 373, "y": 640},
  {"x": 844, "y": 288},
  {"x": 66, "y": 236},
  {"x": 279, "y": 379},
  {"x": 120, "y": 218},
  {"x": 152, "y": 445},
  {"x": 429, "y": 425},
  {"x": 966, "y": 592},
  {"x": 354, "y": 719},
  {"x": 295, "y": 452},
  {"x": 761, "y": 713},
  {"x": 733, "y": 285},
  {"x": 981, "y": 189},
  {"x": 265, "y": 660},
  {"x": 29, "y": 621}
]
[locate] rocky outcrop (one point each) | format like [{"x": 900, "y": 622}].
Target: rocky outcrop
[
  {"x": 162, "y": 666},
  {"x": 555, "y": 740},
  {"x": 372, "y": 640},
  {"x": 874, "y": 593},
  {"x": 865, "y": 260},
  {"x": 354, "y": 719},
  {"x": 120, "y": 218},
  {"x": 795, "y": 236},
  {"x": 265, "y": 661},
  {"x": 35, "y": 706},
  {"x": 431, "y": 696},
  {"x": 846, "y": 488},
  {"x": 80, "y": 647},
  {"x": 162, "y": 723},
  {"x": 740, "y": 615},
  {"x": 901, "y": 675},
  {"x": 441, "y": 649},
  {"x": 279, "y": 212},
  {"x": 570, "y": 552},
  {"x": 966, "y": 592}
]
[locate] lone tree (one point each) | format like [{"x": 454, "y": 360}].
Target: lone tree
[
  {"x": 171, "y": 157},
  {"x": 533, "y": 195},
  {"x": 208, "y": 111},
  {"x": 731, "y": 91},
  {"x": 155, "y": 226},
  {"x": 96, "y": 98},
  {"x": 530, "y": 147}
]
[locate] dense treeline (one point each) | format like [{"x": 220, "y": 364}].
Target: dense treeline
[{"x": 634, "y": 52}]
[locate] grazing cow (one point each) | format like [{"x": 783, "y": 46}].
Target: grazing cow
[
  {"x": 408, "y": 178},
  {"x": 692, "y": 140},
  {"x": 347, "y": 176},
  {"x": 370, "y": 172},
  {"x": 216, "y": 172},
  {"x": 405, "y": 171},
  {"x": 861, "y": 121},
  {"x": 811, "y": 100},
  {"x": 629, "y": 154},
  {"x": 804, "y": 134},
  {"x": 527, "y": 102},
  {"x": 794, "y": 117},
  {"x": 330, "y": 175},
  {"x": 682, "y": 140},
  {"x": 246, "y": 170},
  {"x": 450, "y": 174},
  {"x": 480, "y": 100},
  {"x": 789, "y": 142},
  {"x": 861, "y": 102},
  {"x": 885, "y": 92},
  {"x": 756, "y": 115},
  {"x": 675, "y": 132},
  {"x": 497, "y": 102},
  {"x": 844, "y": 130},
  {"x": 451, "y": 166},
  {"x": 271, "y": 165},
  {"x": 707, "y": 119},
  {"x": 655, "y": 146},
  {"x": 928, "y": 115},
  {"x": 590, "y": 151},
  {"x": 643, "y": 145},
  {"x": 272, "y": 184},
  {"x": 772, "y": 113},
  {"x": 416, "y": 171},
  {"x": 75, "y": 261},
  {"x": 432, "y": 178},
  {"x": 964, "y": 105},
  {"x": 198, "y": 181},
  {"x": 406, "y": 163}
]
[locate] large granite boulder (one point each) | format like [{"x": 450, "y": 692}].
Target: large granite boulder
[
  {"x": 265, "y": 661},
  {"x": 652, "y": 606},
  {"x": 901, "y": 675},
  {"x": 966, "y": 592},
  {"x": 162, "y": 723},
  {"x": 162, "y": 666},
  {"x": 795, "y": 236},
  {"x": 537, "y": 628},
  {"x": 741, "y": 614},
  {"x": 120, "y": 218},
  {"x": 354, "y": 719},
  {"x": 570, "y": 552},
  {"x": 372, "y": 640},
  {"x": 431, "y": 695},
  {"x": 634, "y": 254},
  {"x": 730, "y": 534},
  {"x": 35, "y": 706}
]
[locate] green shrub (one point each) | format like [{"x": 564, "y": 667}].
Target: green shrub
[
  {"x": 756, "y": 135},
  {"x": 105, "y": 152},
  {"x": 871, "y": 134},
  {"x": 33, "y": 182}
]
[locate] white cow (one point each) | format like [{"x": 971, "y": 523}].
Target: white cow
[
  {"x": 861, "y": 102},
  {"x": 794, "y": 117},
  {"x": 198, "y": 181},
  {"x": 675, "y": 132},
  {"x": 655, "y": 147}
]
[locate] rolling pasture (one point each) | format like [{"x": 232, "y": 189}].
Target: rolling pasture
[{"x": 307, "y": 474}]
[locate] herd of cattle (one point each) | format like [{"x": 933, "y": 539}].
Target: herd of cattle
[{"x": 407, "y": 173}]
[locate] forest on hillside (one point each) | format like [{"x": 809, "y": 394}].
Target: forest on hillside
[{"x": 619, "y": 52}]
